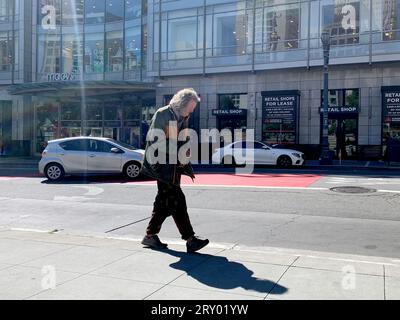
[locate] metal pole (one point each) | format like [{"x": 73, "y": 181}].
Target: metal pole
[{"x": 326, "y": 157}]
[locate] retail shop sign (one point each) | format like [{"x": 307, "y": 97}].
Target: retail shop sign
[
  {"x": 341, "y": 109},
  {"x": 391, "y": 104},
  {"x": 279, "y": 116},
  {"x": 229, "y": 112}
]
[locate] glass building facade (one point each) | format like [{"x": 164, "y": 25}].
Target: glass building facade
[
  {"x": 264, "y": 34},
  {"x": 102, "y": 67}
]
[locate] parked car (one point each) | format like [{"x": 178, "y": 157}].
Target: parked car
[
  {"x": 89, "y": 155},
  {"x": 242, "y": 152}
]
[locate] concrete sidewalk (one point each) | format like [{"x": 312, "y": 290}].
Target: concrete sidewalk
[{"x": 45, "y": 265}]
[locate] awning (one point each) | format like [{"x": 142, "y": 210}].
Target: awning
[{"x": 78, "y": 88}]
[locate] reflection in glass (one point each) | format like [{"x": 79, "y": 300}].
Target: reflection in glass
[
  {"x": 132, "y": 9},
  {"x": 94, "y": 11},
  {"x": 114, "y": 51},
  {"x": 94, "y": 112},
  {"x": 72, "y": 52},
  {"x": 232, "y": 101},
  {"x": 342, "y": 19},
  {"x": 94, "y": 53},
  {"x": 46, "y": 124},
  {"x": 70, "y": 111},
  {"x": 113, "y": 112},
  {"x": 114, "y": 10},
  {"x": 182, "y": 38},
  {"x": 132, "y": 112},
  {"x": 49, "y": 52},
  {"x": 282, "y": 27},
  {"x": 230, "y": 32},
  {"x": 72, "y": 12},
  {"x": 6, "y": 51},
  {"x": 133, "y": 48},
  {"x": 6, "y": 10},
  {"x": 391, "y": 22}
]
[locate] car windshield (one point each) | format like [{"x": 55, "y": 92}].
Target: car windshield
[{"x": 123, "y": 144}]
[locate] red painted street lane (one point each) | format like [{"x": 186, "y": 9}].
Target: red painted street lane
[{"x": 250, "y": 180}]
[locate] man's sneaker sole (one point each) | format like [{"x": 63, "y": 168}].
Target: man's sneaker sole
[
  {"x": 199, "y": 248},
  {"x": 150, "y": 245}
]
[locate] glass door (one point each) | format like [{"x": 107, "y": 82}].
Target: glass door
[{"x": 343, "y": 137}]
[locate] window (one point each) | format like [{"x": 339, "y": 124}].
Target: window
[
  {"x": 6, "y": 51},
  {"x": 132, "y": 112},
  {"x": 72, "y": 51},
  {"x": 94, "y": 53},
  {"x": 232, "y": 101},
  {"x": 133, "y": 48},
  {"x": 46, "y": 124},
  {"x": 94, "y": 112},
  {"x": 342, "y": 97},
  {"x": 94, "y": 11},
  {"x": 132, "y": 9},
  {"x": 71, "y": 111},
  {"x": 230, "y": 32},
  {"x": 390, "y": 20},
  {"x": 72, "y": 12},
  {"x": 342, "y": 20},
  {"x": 114, "y": 51},
  {"x": 6, "y": 10},
  {"x": 100, "y": 146},
  {"x": 75, "y": 145},
  {"x": 182, "y": 38},
  {"x": 282, "y": 27},
  {"x": 113, "y": 112},
  {"x": 114, "y": 10},
  {"x": 49, "y": 53}
]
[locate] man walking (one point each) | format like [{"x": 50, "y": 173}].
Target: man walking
[{"x": 170, "y": 200}]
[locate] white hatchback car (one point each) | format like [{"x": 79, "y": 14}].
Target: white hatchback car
[
  {"x": 242, "y": 152},
  {"x": 89, "y": 155}
]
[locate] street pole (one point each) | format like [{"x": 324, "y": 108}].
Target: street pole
[{"x": 326, "y": 155}]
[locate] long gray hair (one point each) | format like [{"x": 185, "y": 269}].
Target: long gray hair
[{"x": 181, "y": 99}]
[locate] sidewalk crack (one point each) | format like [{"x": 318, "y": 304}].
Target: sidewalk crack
[{"x": 276, "y": 283}]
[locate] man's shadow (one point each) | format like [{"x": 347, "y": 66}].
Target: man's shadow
[{"x": 218, "y": 272}]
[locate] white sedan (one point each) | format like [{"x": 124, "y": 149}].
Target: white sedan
[
  {"x": 244, "y": 152},
  {"x": 89, "y": 155}
]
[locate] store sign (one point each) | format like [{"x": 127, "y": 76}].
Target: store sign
[
  {"x": 341, "y": 109},
  {"x": 229, "y": 112},
  {"x": 61, "y": 77},
  {"x": 49, "y": 20},
  {"x": 391, "y": 104},
  {"x": 279, "y": 115}
]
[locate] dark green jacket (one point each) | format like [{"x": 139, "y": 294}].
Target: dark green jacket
[{"x": 168, "y": 171}]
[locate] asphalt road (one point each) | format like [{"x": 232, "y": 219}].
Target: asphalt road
[{"x": 310, "y": 217}]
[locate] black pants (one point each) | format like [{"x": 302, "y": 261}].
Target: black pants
[{"x": 170, "y": 201}]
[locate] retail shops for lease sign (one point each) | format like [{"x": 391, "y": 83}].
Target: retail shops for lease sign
[
  {"x": 390, "y": 113},
  {"x": 279, "y": 116}
]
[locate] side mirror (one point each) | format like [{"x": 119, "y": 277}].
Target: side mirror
[
  {"x": 115, "y": 150},
  {"x": 266, "y": 148}
]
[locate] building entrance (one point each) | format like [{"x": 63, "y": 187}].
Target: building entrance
[{"x": 343, "y": 137}]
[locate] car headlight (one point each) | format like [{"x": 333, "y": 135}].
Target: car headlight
[{"x": 297, "y": 155}]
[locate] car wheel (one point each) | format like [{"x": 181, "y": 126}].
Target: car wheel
[
  {"x": 132, "y": 170},
  {"x": 284, "y": 162},
  {"x": 229, "y": 161},
  {"x": 54, "y": 172}
]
